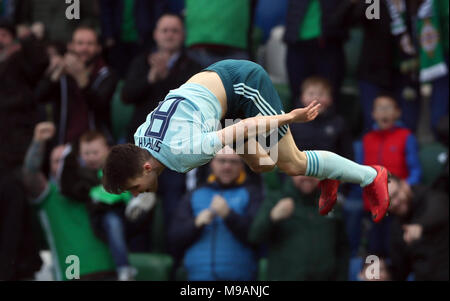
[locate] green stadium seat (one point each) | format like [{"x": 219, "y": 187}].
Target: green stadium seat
[
  {"x": 151, "y": 266},
  {"x": 121, "y": 114},
  {"x": 432, "y": 159}
]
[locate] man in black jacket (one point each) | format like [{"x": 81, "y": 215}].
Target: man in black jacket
[
  {"x": 419, "y": 233},
  {"x": 152, "y": 75},
  {"x": 21, "y": 65},
  {"x": 80, "y": 86}
]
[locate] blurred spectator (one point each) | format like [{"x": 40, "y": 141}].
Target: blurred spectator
[
  {"x": 150, "y": 77},
  {"x": 315, "y": 43},
  {"x": 107, "y": 211},
  {"x": 329, "y": 130},
  {"x": 19, "y": 256},
  {"x": 52, "y": 14},
  {"x": 228, "y": 31},
  {"x": 268, "y": 16},
  {"x": 394, "y": 147},
  {"x": 419, "y": 233},
  {"x": 432, "y": 34},
  {"x": 212, "y": 223},
  {"x": 154, "y": 73},
  {"x": 407, "y": 45},
  {"x": 8, "y": 9},
  {"x": 22, "y": 63},
  {"x": 302, "y": 245},
  {"x": 79, "y": 85},
  {"x": 65, "y": 221},
  {"x": 127, "y": 26}
]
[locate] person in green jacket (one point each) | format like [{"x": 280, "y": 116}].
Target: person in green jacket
[
  {"x": 76, "y": 252},
  {"x": 302, "y": 244},
  {"x": 112, "y": 214}
]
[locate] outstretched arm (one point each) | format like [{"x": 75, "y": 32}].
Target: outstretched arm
[
  {"x": 253, "y": 126},
  {"x": 35, "y": 181}
]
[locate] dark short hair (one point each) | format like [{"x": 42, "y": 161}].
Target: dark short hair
[
  {"x": 316, "y": 80},
  {"x": 388, "y": 95},
  {"x": 123, "y": 163},
  {"x": 92, "y": 135},
  {"x": 179, "y": 17},
  {"x": 89, "y": 28}
]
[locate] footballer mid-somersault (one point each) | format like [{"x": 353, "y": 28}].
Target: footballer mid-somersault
[{"x": 233, "y": 89}]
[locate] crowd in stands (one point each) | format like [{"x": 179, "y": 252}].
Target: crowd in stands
[{"x": 70, "y": 89}]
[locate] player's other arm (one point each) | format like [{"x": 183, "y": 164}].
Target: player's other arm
[
  {"x": 253, "y": 126},
  {"x": 35, "y": 181}
]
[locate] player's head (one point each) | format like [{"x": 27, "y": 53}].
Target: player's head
[
  {"x": 400, "y": 196},
  {"x": 306, "y": 185},
  {"x": 93, "y": 149},
  {"x": 227, "y": 166},
  {"x": 169, "y": 33},
  {"x": 85, "y": 44},
  {"x": 128, "y": 168},
  {"x": 316, "y": 88},
  {"x": 386, "y": 111}
]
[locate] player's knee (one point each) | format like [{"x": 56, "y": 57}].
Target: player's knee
[{"x": 262, "y": 168}]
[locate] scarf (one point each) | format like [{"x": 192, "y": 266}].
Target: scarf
[{"x": 429, "y": 51}]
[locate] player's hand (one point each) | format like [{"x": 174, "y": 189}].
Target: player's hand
[
  {"x": 44, "y": 131},
  {"x": 412, "y": 233},
  {"x": 306, "y": 114},
  {"x": 220, "y": 206},
  {"x": 205, "y": 217},
  {"x": 282, "y": 210}
]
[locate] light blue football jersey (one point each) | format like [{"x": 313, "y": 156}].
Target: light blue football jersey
[{"x": 181, "y": 132}]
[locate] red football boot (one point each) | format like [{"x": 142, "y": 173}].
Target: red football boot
[
  {"x": 328, "y": 196},
  {"x": 377, "y": 194}
]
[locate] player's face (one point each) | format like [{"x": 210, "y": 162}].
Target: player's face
[
  {"x": 147, "y": 182},
  {"x": 226, "y": 168},
  {"x": 305, "y": 184},
  {"x": 399, "y": 197},
  {"x": 385, "y": 113},
  {"x": 319, "y": 93},
  {"x": 94, "y": 153},
  {"x": 169, "y": 34},
  {"x": 84, "y": 45}
]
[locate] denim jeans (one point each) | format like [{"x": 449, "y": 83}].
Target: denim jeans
[
  {"x": 439, "y": 100},
  {"x": 114, "y": 227}
]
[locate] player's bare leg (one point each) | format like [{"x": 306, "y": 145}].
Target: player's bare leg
[{"x": 256, "y": 157}]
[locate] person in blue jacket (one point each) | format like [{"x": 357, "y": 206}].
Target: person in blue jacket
[{"x": 211, "y": 224}]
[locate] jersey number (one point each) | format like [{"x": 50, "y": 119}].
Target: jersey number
[{"x": 161, "y": 118}]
